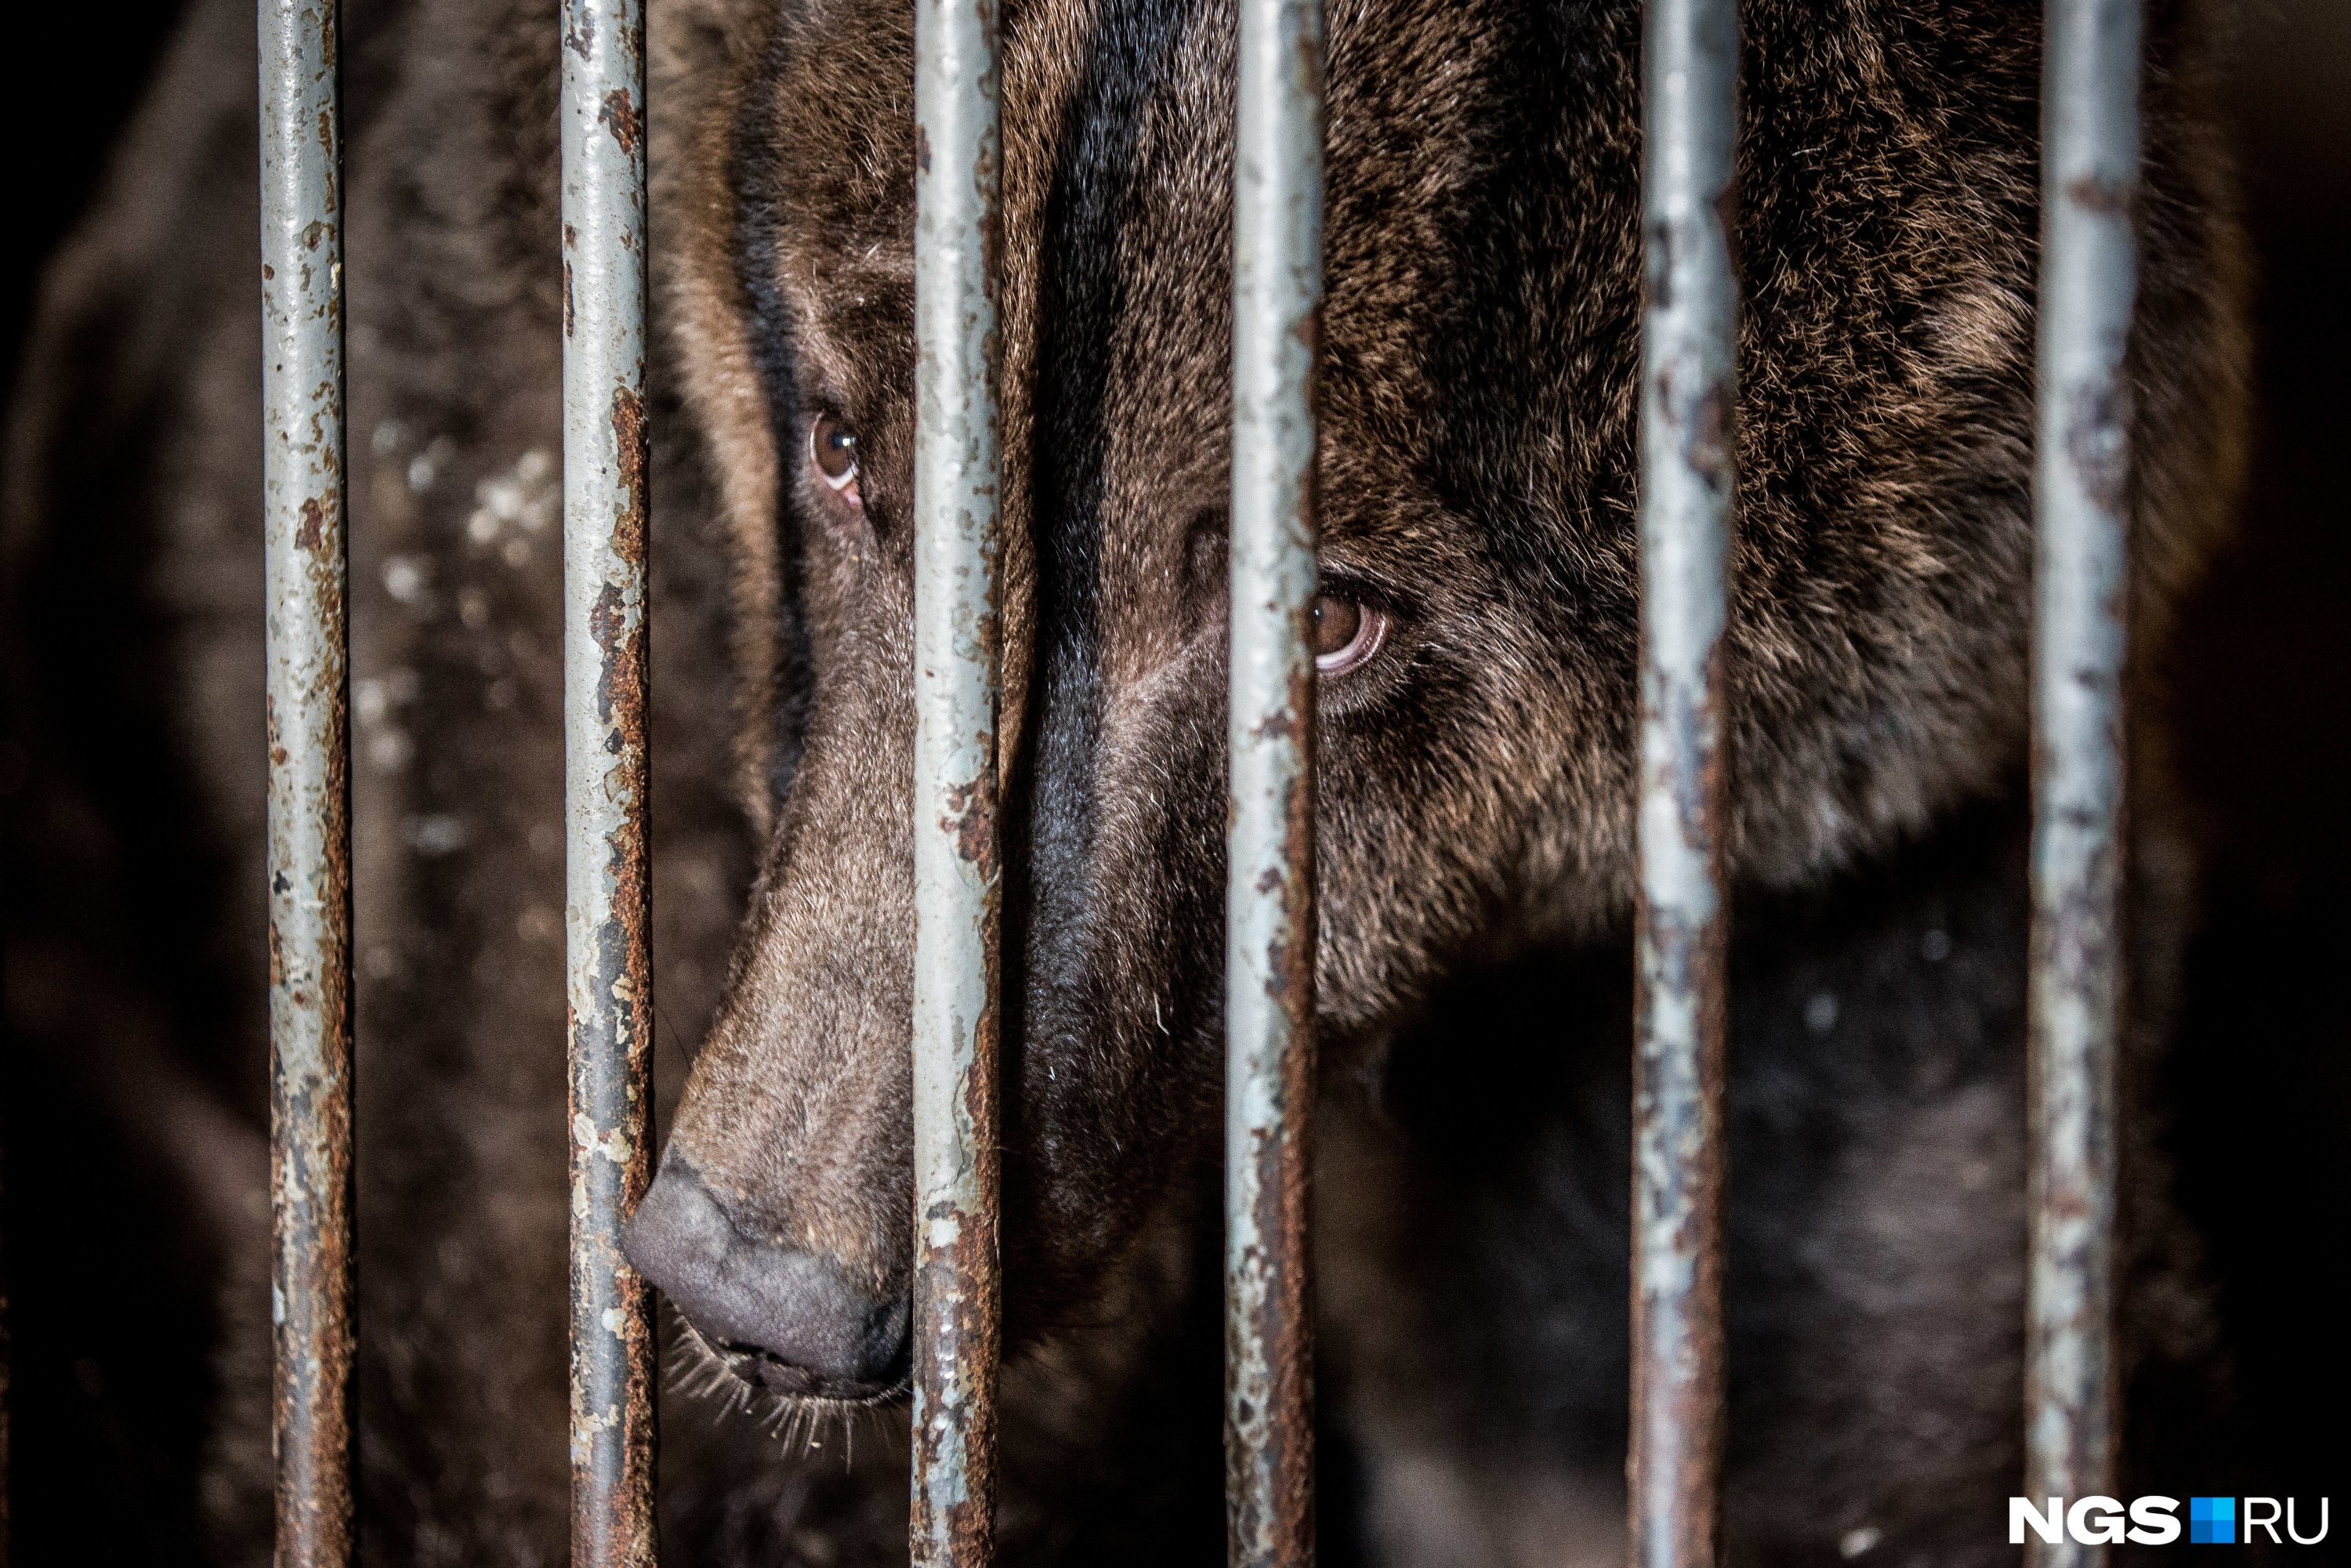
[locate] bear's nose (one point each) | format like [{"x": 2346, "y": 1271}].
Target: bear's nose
[{"x": 789, "y": 1320}]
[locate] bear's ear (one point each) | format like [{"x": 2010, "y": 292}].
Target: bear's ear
[{"x": 704, "y": 56}]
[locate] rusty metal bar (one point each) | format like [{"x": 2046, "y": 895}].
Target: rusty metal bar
[
  {"x": 1688, "y": 491},
  {"x": 2089, "y": 278},
  {"x": 309, "y": 776},
  {"x": 607, "y": 774},
  {"x": 957, "y": 884},
  {"x": 1270, "y": 918}
]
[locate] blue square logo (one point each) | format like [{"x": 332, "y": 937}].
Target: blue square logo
[{"x": 2212, "y": 1521}]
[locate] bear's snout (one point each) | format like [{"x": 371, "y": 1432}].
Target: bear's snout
[{"x": 787, "y": 1320}]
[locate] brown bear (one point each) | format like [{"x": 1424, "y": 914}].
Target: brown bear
[{"x": 1479, "y": 628}]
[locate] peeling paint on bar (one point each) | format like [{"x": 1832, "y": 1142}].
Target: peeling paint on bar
[
  {"x": 1270, "y": 915},
  {"x": 607, "y": 775},
  {"x": 958, "y": 884},
  {"x": 309, "y": 777},
  {"x": 1688, "y": 491},
  {"x": 2089, "y": 275}
]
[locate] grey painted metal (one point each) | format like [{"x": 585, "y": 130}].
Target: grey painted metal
[
  {"x": 308, "y": 690},
  {"x": 607, "y": 774},
  {"x": 1270, "y": 912},
  {"x": 957, "y": 882},
  {"x": 1688, "y": 491},
  {"x": 2089, "y": 275}
]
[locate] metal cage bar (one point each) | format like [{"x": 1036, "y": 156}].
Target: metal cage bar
[
  {"x": 1270, "y": 918},
  {"x": 1689, "y": 489},
  {"x": 309, "y": 684},
  {"x": 607, "y": 774},
  {"x": 957, "y": 881},
  {"x": 2089, "y": 275}
]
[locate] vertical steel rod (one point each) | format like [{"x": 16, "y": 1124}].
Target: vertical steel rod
[
  {"x": 957, "y": 884},
  {"x": 309, "y": 775},
  {"x": 607, "y": 774},
  {"x": 1270, "y": 918},
  {"x": 1689, "y": 489},
  {"x": 2089, "y": 278}
]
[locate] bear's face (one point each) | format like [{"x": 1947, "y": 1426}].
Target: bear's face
[{"x": 1478, "y": 568}]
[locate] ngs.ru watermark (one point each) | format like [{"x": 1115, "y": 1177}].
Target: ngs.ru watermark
[{"x": 2155, "y": 1520}]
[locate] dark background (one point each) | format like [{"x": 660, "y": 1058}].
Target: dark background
[
  {"x": 83, "y": 68},
  {"x": 95, "y": 1301},
  {"x": 2261, "y": 683}
]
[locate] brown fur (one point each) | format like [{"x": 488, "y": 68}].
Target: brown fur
[{"x": 1480, "y": 360}]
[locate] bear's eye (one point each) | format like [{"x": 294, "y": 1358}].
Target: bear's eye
[
  {"x": 832, "y": 447},
  {"x": 1346, "y": 633}
]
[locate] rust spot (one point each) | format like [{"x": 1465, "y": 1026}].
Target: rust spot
[
  {"x": 2066, "y": 1203},
  {"x": 567, "y": 298},
  {"x": 312, "y": 532},
  {"x": 623, "y": 119},
  {"x": 1309, "y": 64},
  {"x": 1281, "y": 724},
  {"x": 1705, "y": 429},
  {"x": 1706, "y": 442},
  {"x": 2112, "y": 197},
  {"x": 972, "y": 823},
  {"x": 629, "y": 440},
  {"x": 268, "y": 270},
  {"x": 1726, "y": 215},
  {"x": 2095, "y": 445},
  {"x": 1291, "y": 963},
  {"x": 620, "y": 680}
]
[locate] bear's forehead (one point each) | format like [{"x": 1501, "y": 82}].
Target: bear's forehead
[{"x": 1116, "y": 238}]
